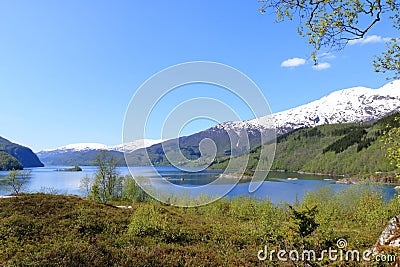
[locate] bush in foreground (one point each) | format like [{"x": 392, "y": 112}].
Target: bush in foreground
[{"x": 42, "y": 229}]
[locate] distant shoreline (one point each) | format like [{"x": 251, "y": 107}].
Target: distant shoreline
[
  {"x": 312, "y": 173},
  {"x": 381, "y": 177},
  {"x": 242, "y": 177},
  {"x": 345, "y": 178}
]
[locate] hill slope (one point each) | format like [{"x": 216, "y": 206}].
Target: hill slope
[
  {"x": 50, "y": 230},
  {"x": 23, "y": 154},
  {"x": 190, "y": 146},
  {"x": 353, "y": 105},
  {"x": 77, "y": 158},
  {"x": 329, "y": 149},
  {"x": 8, "y": 162}
]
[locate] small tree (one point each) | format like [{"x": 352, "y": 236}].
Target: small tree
[
  {"x": 107, "y": 181},
  {"x": 303, "y": 220},
  {"x": 86, "y": 184},
  {"x": 302, "y": 224},
  {"x": 95, "y": 193},
  {"x": 132, "y": 191},
  {"x": 16, "y": 180}
]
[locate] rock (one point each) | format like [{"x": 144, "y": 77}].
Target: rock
[
  {"x": 292, "y": 179},
  {"x": 342, "y": 181},
  {"x": 397, "y": 187},
  {"x": 124, "y": 207},
  {"x": 235, "y": 176},
  {"x": 347, "y": 181},
  {"x": 389, "y": 237}
]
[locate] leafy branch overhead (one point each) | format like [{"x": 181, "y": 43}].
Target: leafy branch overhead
[
  {"x": 331, "y": 24},
  {"x": 391, "y": 139}
]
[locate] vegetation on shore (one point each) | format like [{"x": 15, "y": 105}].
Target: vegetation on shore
[
  {"x": 8, "y": 162},
  {"x": 16, "y": 180},
  {"x": 58, "y": 230}
]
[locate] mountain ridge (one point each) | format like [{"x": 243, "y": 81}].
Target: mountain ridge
[
  {"x": 355, "y": 104},
  {"x": 22, "y": 154},
  {"x": 97, "y": 146},
  {"x": 334, "y": 149},
  {"x": 351, "y": 105},
  {"x": 85, "y": 153}
]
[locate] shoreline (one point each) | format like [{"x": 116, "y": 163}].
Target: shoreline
[
  {"x": 384, "y": 181},
  {"x": 312, "y": 173},
  {"x": 345, "y": 178},
  {"x": 352, "y": 179},
  {"x": 241, "y": 177}
]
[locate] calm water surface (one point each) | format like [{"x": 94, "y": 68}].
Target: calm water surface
[{"x": 276, "y": 188}]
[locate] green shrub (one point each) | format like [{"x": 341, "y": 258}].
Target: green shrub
[{"x": 58, "y": 230}]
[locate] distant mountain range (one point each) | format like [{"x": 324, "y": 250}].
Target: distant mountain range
[
  {"x": 85, "y": 153},
  {"x": 353, "y": 105},
  {"x": 14, "y": 156},
  {"x": 96, "y": 146}
]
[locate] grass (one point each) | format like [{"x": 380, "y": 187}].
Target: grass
[{"x": 58, "y": 230}]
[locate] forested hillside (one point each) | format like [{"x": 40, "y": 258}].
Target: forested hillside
[
  {"x": 23, "y": 154},
  {"x": 330, "y": 149},
  {"x": 8, "y": 162}
]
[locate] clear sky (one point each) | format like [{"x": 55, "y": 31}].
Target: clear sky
[{"x": 68, "y": 69}]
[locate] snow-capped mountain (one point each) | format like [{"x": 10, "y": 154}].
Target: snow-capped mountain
[
  {"x": 78, "y": 147},
  {"x": 357, "y": 104},
  {"x": 353, "y": 105},
  {"x": 96, "y": 146},
  {"x": 137, "y": 144},
  {"x": 85, "y": 153}
]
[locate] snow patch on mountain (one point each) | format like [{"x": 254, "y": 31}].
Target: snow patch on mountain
[
  {"x": 353, "y": 105},
  {"x": 131, "y": 146},
  {"x": 137, "y": 144},
  {"x": 79, "y": 147}
]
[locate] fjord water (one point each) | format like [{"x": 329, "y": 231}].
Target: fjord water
[{"x": 276, "y": 187}]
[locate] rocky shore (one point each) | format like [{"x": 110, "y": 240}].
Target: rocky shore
[
  {"x": 381, "y": 180},
  {"x": 235, "y": 176}
]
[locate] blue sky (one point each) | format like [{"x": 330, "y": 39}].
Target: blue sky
[{"x": 68, "y": 69}]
